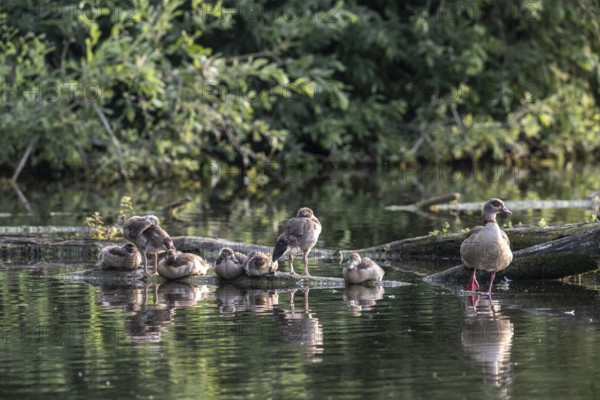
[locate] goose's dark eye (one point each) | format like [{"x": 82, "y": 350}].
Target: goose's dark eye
[{"x": 496, "y": 204}]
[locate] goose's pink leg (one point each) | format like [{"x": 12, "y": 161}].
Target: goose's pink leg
[
  {"x": 489, "y": 292},
  {"x": 473, "y": 284}
]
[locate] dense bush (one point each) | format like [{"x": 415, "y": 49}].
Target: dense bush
[{"x": 169, "y": 86}]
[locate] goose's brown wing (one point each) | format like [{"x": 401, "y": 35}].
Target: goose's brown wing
[
  {"x": 134, "y": 226},
  {"x": 183, "y": 259},
  {"x": 240, "y": 257},
  {"x": 118, "y": 251},
  {"x": 158, "y": 237},
  {"x": 365, "y": 263}
]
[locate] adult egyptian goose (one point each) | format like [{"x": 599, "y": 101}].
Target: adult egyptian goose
[
  {"x": 259, "y": 263},
  {"x": 487, "y": 247},
  {"x": 148, "y": 237},
  {"x": 361, "y": 270},
  {"x": 299, "y": 234},
  {"x": 178, "y": 265},
  {"x": 123, "y": 256},
  {"x": 230, "y": 264}
]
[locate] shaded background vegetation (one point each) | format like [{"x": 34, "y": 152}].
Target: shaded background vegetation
[{"x": 169, "y": 87}]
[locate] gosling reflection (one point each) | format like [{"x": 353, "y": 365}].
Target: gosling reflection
[
  {"x": 146, "y": 324},
  {"x": 301, "y": 327},
  {"x": 361, "y": 298},
  {"x": 149, "y": 315},
  {"x": 231, "y": 299},
  {"x": 178, "y": 294},
  {"x": 121, "y": 298},
  {"x": 487, "y": 337},
  {"x": 262, "y": 301}
]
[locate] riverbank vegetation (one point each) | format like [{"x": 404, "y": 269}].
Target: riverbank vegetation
[{"x": 166, "y": 88}]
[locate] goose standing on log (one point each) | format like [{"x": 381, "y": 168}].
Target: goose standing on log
[
  {"x": 148, "y": 237},
  {"x": 299, "y": 234},
  {"x": 487, "y": 247}
]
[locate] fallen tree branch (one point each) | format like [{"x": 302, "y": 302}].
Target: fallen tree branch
[
  {"x": 591, "y": 202},
  {"x": 170, "y": 209},
  {"x": 429, "y": 204},
  {"x": 539, "y": 253}
]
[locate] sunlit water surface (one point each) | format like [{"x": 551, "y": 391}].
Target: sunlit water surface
[{"x": 68, "y": 339}]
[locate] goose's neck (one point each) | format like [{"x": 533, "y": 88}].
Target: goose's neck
[{"x": 489, "y": 218}]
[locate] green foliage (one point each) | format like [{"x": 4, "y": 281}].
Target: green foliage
[
  {"x": 444, "y": 231},
  {"x": 171, "y": 86},
  {"x": 125, "y": 209},
  {"x": 99, "y": 230}
]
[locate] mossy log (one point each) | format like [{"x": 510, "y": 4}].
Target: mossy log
[
  {"x": 23, "y": 249},
  {"x": 540, "y": 253},
  {"x": 210, "y": 247},
  {"x": 278, "y": 280},
  {"x": 575, "y": 254},
  {"x": 444, "y": 250}
]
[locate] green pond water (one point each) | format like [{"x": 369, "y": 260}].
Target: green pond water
[{"x": 61, "y": 338}]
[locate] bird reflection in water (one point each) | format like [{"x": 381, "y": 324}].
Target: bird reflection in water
[
  {"x": 487, "y": 338},
  {"x": 360, "y": 298},
  {"x": 144, "y": 321},
  {"x": 146, "y": 324},
  {"x": 123, "y": 298},
  {"x": 231, "y": 299},
  {"x": 179, "y": 294},
  {"x": 262, "y": 301},
  {"x": 301, "y": 327}
]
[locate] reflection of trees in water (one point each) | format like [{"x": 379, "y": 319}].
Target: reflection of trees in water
[
  {"x": 362, "y": 298},
  {"x": 487, "y": 338},
  {"x": 301, "y": 327}
]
